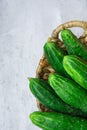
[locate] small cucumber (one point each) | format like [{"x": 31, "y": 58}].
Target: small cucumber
[
  {"x": 69, "y": 91},
  {"x": 54, "y": 55},
  {"x": 57, "y": 121},
  {"x": 77, "y": 69},
  {"x": 46, "y": 95},
  {"x": 73, "y": 44}
]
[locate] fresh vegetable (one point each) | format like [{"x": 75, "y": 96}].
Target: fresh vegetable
[
  {"x": 69, "y": 91},
  {"x": 73, "y": 44},
  {"x": 64, "y": 93},
  {"x": 57, "y": 121},
  {"x": 46, "y": 95},
  {"x": 54, "y": 55},
  {"x": 77, "y": 69}
]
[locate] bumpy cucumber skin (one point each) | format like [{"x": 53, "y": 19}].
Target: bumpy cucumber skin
[
  {"x": 57, "y": 121},
  {"x": 46, "y": 95},
  {"x": 54, "y": 55},
  {"x": 73, "y": 44},
  {"x": 77, "y": 69},
  {"x": 69, "y": 91}
]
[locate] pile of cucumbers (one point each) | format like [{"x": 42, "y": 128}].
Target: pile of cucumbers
[{"x": 65, "y": 92}]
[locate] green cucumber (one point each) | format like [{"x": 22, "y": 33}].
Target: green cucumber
[
  {"x": 46, "y": 95},
  {"x": 73, "y": 44},
  {"x": 54, "y": 55},
  {"x": 69, "y": 91},
  {"x": 57, "y": 121},
  {"x": 77, "y": 69}
]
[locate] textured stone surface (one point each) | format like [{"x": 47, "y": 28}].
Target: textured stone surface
[{"x": 24, "y": 27}]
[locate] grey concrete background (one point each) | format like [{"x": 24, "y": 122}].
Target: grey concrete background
[{"x": 24, "y": 27}]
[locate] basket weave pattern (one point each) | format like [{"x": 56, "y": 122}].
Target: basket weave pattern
[{"x": 44, "y": 69}]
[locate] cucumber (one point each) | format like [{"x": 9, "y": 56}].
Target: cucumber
[
  {"x": 73, "y": 44},
  {"x": 57, "y": 121},
  {"x": 54, "y": 55},
  {"x": 69, "y": 91},
  {"x": 46, "y": 95},
  {"x": 77, "y": 69}
]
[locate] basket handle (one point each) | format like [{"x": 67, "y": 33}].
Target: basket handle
[{"x": 70, "y": 24}]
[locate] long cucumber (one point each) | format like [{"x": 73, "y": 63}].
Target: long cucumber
[
  {"x": 77, "y": 69},
  {"x": 69, "y": 91},
  {"x": 54, "y": 55},
  {"x": 57, "y": 121},
  {"x": 73, "y": 44}
]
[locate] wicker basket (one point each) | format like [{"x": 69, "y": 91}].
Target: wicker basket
[{"x": 44, "y": 69}]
